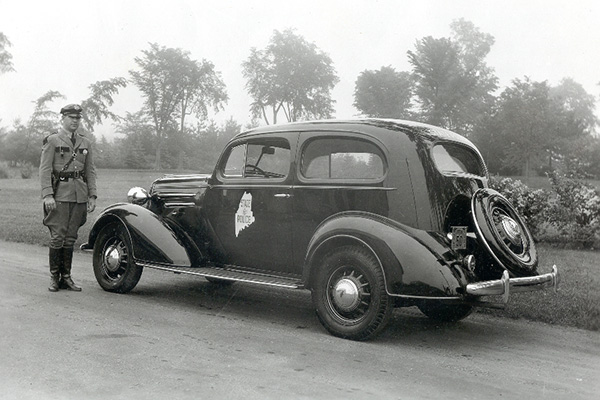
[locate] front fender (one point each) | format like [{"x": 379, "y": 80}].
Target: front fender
[
  {"x": 152, "y": 238},
  {"x": 415, "y": 263}
]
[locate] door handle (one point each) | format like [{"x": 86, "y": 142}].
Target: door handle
[{"x": 283, "y": 195}]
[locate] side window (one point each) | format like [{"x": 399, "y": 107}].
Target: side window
[
  {"x": 234, "y": 166},
  {"x": 258, "y": 159},
  {"x": 267, "y": 160},
  {"x": 342, "y": 158},
  {"x": 453, "y": 159}
]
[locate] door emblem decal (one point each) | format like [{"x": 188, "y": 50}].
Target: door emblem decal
[{"x": 244, "y": 216}]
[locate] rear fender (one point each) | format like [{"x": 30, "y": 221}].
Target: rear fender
[
  {"x": 415, "y": 263},
  {"x": 152, "y": 238}
]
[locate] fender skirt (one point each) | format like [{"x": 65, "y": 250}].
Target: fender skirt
[
  {"x": 152, "y": 238},
  {"x": 416, "y": 263}
]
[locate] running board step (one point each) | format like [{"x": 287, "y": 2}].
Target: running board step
[{"x": 230, "y": 274}]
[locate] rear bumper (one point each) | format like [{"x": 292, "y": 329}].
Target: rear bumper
[{"x": 505, "y": 285}]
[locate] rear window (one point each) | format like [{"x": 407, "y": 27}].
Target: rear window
[
  {"x": 456, "y": 159},
  {"x": 342, "y": 158}
]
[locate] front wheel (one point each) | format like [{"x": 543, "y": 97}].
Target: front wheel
[
  {"x": 349, "y": 294},
  {"x": 113, "y": 262}
]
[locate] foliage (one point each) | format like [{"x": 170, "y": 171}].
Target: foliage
[
  {"x": 291, "y": 76},
  {"x": 6, "y": 64},
  {"x": 197, "y": 149},
  {"x": 4, "y": 171},
  {"x": 453, "y": 84},
  {"x": 26, "y": 171},
  {"x": 23, "y": 143},
  {"x": 532, "y": 205},
  {"x": 576, "y": 210},
  {"x": 95, "y": 108},
  {"x": 538, "y": 127},
  {"x": 384, "y": 93},
  {"x": 174, "y": 85},
  {"x": 567, "y": 214}
]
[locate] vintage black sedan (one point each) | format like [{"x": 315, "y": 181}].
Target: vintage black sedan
[{"x": 366, "y": 214}]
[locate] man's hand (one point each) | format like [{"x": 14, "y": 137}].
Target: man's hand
[
  {"x": 49, "y": 203},
  {"x": 91, "y": 205}
]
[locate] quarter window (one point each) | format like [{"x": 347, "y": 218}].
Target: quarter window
[
  {"x": 453, "y": 159},
  {"x": 342, "y": 158}
]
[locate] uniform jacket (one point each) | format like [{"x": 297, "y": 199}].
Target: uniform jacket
[{"x": 56, "y": 152}]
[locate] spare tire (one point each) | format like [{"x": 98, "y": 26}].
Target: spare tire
[{"x": 503, "y": 234}]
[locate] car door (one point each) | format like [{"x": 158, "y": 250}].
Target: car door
[
  {"x": 249, "y": 203},
  {"x": 337, "y": 172}
]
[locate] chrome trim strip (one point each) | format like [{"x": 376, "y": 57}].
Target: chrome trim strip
[
  {"x": 174, "y": 205},
  {"x": 408, "y": 296},
  {"x": 204, "y": 273},
  {"x": 505, "y": 285},
  {"x": 163, "y": 194}
]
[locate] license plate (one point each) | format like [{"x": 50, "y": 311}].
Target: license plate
[{"x": 459, "y": 237}]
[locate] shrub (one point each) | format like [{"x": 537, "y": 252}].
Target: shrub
[
  {"x": 4, "y": 172},
  {"x": 26, "y": 171},
  {"x": 568, "y": 214},
  {"x": 532, "y": 205},
  {"x": 575, "y": 211}
]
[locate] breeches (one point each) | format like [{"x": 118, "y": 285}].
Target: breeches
[{"x": 64, "y": 223}]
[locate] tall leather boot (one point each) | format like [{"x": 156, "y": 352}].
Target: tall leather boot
[
  {"x": 55, "y": 259},
  {"x": 67, "y": 254}
]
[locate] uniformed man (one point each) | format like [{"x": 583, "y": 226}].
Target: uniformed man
[{"x": 68, "y": 179}]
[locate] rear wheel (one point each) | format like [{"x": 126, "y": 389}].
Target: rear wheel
[
  {"x": 113, "y": 262},
  {"x": 349, "y": 294}
]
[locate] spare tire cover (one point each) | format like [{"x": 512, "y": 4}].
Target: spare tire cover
[{"x": 503, "y": 233}]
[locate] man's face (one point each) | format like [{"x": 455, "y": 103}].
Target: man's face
[{"x": 71, "y": 122}]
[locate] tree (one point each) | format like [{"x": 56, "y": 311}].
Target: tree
[
  {"x": 95, "y": 108},
  {"x": 6, "y": 64},
  {"x": 138, "y": 143},
  {"x": 454, "y": 86},
  {"x": 173, "y": 85},
  {"x": 203, "y": 87},
  {"x": 384, "y": 93},
  {"x": 526, "y": 118},
  {"x": 575, "y": 125},
  {"x": 22, "y": 145},
  {"x": 291, "y": 76},
  {"x": 578, "y": 107}
]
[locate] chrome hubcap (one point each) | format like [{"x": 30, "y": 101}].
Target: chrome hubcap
[
  {"x": 512, "y": 230},
  {"x": 346, "y": 294},
  {"x": 112, "y": 258}
]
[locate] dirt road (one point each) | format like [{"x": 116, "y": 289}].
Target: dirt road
[{"x": 178, "y": 337}]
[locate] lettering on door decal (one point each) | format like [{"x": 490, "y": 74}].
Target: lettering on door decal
[{"x": 244, "y": 216}]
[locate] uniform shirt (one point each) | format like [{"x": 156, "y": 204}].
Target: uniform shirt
[{"x": 56, "y": 152}]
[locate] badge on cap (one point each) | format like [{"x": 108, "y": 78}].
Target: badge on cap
[{"x": 85, "y": 151}]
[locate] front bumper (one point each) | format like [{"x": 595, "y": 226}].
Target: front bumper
[{"x": 505, "y": 285}]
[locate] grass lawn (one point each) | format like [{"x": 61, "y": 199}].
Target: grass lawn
[{"x": 577, "y": 303}]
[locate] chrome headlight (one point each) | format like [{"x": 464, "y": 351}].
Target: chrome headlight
[{"x": 137, "y": 195}]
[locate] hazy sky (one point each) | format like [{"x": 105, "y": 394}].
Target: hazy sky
[{"x": 67, "y": 45}]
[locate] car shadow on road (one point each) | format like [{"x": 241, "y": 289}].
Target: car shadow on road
[{"x": 293, "y": 309}]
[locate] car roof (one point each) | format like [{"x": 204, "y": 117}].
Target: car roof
[{"x": 379, "y": 127}]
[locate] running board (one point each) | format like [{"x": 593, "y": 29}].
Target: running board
[{"x": 230, "y": 274}]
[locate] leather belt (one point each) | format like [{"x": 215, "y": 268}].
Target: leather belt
[{"x": 63, "y": 176}]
